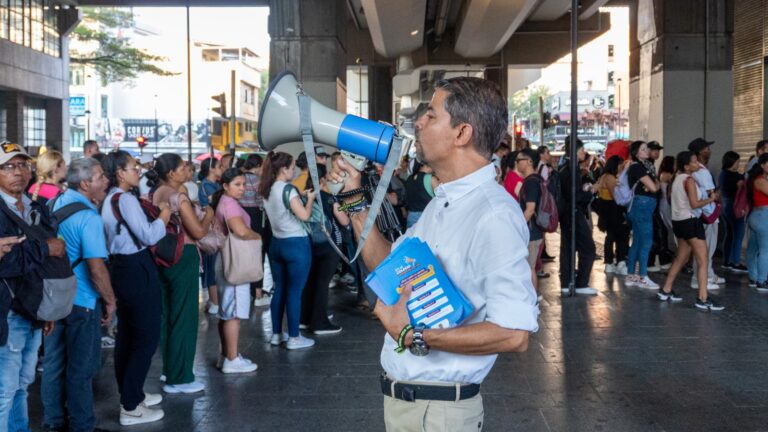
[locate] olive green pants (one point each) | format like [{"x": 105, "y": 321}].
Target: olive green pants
[{"x": 178, "y": 330}]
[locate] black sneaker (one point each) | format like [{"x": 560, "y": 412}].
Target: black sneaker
[
  {"x": 671, "y": 296},
  {"x": 762, "y": 287},
  {"x": 727, "y": 266},
  {"x": 708, "y": 305},
  {"x": 330, "y": 329},
  {"x": 738, "y": 268},
  {"x": 752, "y": 283}
]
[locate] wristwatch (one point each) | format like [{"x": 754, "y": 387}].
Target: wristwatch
[{"x": 418, "y": 346}]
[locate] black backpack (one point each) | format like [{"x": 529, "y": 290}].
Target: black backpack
[{"x": 48, "y": 293}]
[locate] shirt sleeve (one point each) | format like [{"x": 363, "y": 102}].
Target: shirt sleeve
[
  {"x": 147, "y": 232},
  {"x": 93, "y": 241},
  {"x": 501, "y": 247}
]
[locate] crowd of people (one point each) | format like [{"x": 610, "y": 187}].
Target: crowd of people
[
  {"x": 143, "y": 237},
  {"x": 666, "y": 218}
]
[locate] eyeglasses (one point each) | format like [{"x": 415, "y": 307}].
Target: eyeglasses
[
  {"x": 9, "y": 168},
  {"x": 522, "y": 159}
]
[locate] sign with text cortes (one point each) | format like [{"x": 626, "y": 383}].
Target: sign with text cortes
[{"x": 76, "y": 106}]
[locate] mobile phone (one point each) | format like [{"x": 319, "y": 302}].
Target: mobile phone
[{"x": 21, "y": 238}]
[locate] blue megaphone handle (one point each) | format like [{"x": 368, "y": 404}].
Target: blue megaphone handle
[{"x": 366, "y": 138}]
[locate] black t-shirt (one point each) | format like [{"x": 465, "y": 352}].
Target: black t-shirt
[
  {"x": 729, "y": 181},
  {"x": 531, "y": 192},
  {"x": 637, "y": 171}
]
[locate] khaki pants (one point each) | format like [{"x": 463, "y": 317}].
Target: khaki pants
[{"x": 433, "y": 416}]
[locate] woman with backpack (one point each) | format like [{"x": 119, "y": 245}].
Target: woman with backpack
[
  {"x": 235, "y": 299},
  {"x": 419, "y": 191},
  {"x": 689, "y": 230},
  {"x": 757, "y": 252},
  {"x": 730, "y": 181},
  {"x": 612, "y": 219},
  {"x": 209, "y": 175},
  {"x": 644, "y": 186},
  {"x": 179, "y": 281},
  {"x": 290, "y": 253},
  {"x": 314, "y": 299},
  {"x": 136, "y": 284}
]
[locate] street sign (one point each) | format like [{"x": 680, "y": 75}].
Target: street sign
[{"x": 76, "y": 106}]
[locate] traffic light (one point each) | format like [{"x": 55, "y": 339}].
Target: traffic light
[
  {"x": 222, "y": 108},
  {"x": 518, "y": 131},
  {"x": 547, "y": 120},
  {"x": 141, "y": 141},
  {"x": 611, "y": 99}
]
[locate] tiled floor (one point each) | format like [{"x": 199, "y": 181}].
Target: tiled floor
[{"x": 619, "y": 361}]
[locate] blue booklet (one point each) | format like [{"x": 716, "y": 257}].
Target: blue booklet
[{"x": 435, "y": 301}]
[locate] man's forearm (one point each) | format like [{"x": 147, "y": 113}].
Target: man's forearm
[
  {"x": 100, "y": 279},
  {"x": 376, "y": 246},
  {"x": 477, "y": 339}
]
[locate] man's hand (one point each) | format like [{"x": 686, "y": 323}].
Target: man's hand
[
  {"x": 395, "y": 317},
  {"x": 344, "y": 172},
  {"x": 56, "y": 247},
  {"x": 48, "y": 327},
  {"x": 7, "y": 243},
  {"x": 109, "y": 311}
]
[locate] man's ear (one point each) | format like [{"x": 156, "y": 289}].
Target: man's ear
[{"x": 465, "y": 132}]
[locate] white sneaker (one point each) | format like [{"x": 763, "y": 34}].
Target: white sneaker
[
  {"x": 621, "y": 268},
  {"x": 646, "y": 283},
  {"x": 140, "y": 415},
  {"x": 193, "y": 387},
  {"x": 586, "y": 291},
  {"x": 220, "y": 361},
  {"x": 610, "y": 268},
  {"x": 238, "y": 365},
  {"x": 152, "y": 399},
  {"x": 213, "y": 309},
  {"x": 265, "y": 300},
  {"x": 299, "y": 342},
  {"x": 631, "y": 280},
  {"x": 303, "y": 326},
  {"x": 717, "y": 280},
  {"x": 654, "y": 269},
  {"x": 162, "y": 378},
  {"x": 665, "y": 266},
  {"x": 710, "y": 285},
  {"x": 276, "y": 339}
]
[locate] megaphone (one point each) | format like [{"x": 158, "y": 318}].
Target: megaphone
[{"x": 279, "y": 123}]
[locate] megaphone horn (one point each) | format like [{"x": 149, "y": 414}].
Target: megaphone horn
[{"x": 279, "y": 123}]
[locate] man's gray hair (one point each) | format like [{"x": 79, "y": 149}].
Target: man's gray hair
[
  {"x": 81, "y": 170},
  {"x": 480, "y": 103}
]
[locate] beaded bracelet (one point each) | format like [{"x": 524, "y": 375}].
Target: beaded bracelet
[
  {"x": 352, "y": 193},
  {"x": 401, "y": 339}
]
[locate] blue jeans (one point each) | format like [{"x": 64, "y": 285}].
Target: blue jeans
[
  {"x": 18, "y": 359},
  {"x": 640, "y": 216},
  {"x": 72, "y": 358},
  {"x": 757, "y": 247},
  {"x": 734, "y": 234},
  {"x": 290, "y": 260}
]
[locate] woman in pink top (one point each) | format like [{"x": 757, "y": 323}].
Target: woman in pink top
[
  {"x": 51, "y": 170},
  {"x": 234, "y": 300}
]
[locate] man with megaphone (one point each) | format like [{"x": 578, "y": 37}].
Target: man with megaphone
[{"x": 478, "y": 234}]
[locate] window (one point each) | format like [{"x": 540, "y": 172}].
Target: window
[
  {"x": 34, "y": 126},
  {"x": 610, "y": 51},
  {"x": 211, "y": 55},
  {"x": 76, "y": 76},
  {"x": 32, "y": 23},
  {"x": 104, "y": 106},
  {"x": 248, "y": 92},
  {"x": 230, "y": 54}
]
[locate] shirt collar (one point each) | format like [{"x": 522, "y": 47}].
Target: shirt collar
[
  {"x": 10, "y": 200},
  {"x": 460, "y": 187},
  {"x": 75, "y": 196}
]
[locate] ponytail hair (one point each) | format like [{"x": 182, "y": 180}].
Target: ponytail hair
[
  {"x": 46, "y": 166},
  {"x": 164, "y": 164},
  {"x": 274, "y": 162},
  {"x": 205, "y": 168},
  {"x": 226, "y": 178}
]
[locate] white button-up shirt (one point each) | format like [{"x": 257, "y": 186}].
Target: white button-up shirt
[{"x": 479, "y": 235}]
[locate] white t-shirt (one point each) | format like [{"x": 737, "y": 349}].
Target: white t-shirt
[{"x": 284, "y": 222}]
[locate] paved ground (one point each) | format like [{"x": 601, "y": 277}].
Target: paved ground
[{"x": 620, "y": 361}]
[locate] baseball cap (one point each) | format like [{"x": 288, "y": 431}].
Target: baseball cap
[
  {"x": 699, "y": 144},
  {"x": 9, "y": 150},
  {"x": 320, "y": 151},
  {"x": 654, "y": 145}
]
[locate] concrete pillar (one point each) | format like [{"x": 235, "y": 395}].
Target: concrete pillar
[
  {"x": 677, "y": 91},
  {"x": 56, "y": 123},
  {"x": 306, "y": 38},
  {"x": 14, "y": 104},
  {"x": 380, "y": 93}
]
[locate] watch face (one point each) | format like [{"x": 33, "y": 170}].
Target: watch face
[{"x": 419, "y": 349}]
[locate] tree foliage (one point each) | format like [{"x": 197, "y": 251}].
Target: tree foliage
[
  {"x": 525, "y": 103},
  {"x": 107, "y": 50}
]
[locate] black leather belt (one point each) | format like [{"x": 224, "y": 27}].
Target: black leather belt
[{"x": 411, "y": 392}]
